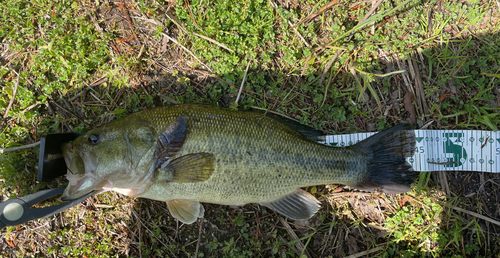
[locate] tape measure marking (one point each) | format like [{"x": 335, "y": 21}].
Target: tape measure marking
[{"x": 444, "y": 150}]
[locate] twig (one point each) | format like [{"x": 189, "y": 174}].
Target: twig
[
  {"x": 113, "y": 46},
  {"x": 187, "y": 50},
  {"x": 298, "y": 244},
  {"x": 95, "y": 83},
  {"x": 99, "y": 81},
  {"x": 103, "y": 206},
  {"x": 12, "y": 60},
  {"x": 140, "y": 221},
  {"x": 144, "y": 88},
  {"x": 176, "y": 22},
  {"x": 243, "y": 82},
  {"x": 210, "y": 75},
  {"x": 214, "y": 41},
  {"x": 20, "y": 147},
  {"x": 282, "y": 239},
  {"x": 474, "y": 214},
  {"x": 199, "y": 239},
  {"x": 191, "y": 15},
  {"x": 367, "y": 252},
  {"x": 275, "y": 6},
  {"x": 276, "y": 113},
  {"x": 327, "y": 68},
  {"x": 167, "y": 98},
  {"x": 369, "y": 13},
  {"x": 340, "y": 195},
  {"x": 29, "y": 108},
  {"x": 427, "y": 124},
  {"x": 278, "y": 96},
  {"x": 306, "y": 63},
  {"x": 419, "y": 88},
  {"x": 443, "y": 179},
  {"x": 158, "y": 23},
  {"x": 353, "y": 72},
  {"x": 405, "y": 76},
  {"x": 300, "y": 36},
  {"x": 485, "y": 141},
  {"x": 318, "y": 12},
  {"x": 372, "y": 28},
  {"x": 16, "y": 84},
  {"x": 69, "y": 112},
  {"x": 96, "y": 24},
  {"x": 247, "y": 92},
  {"x": 129, "y": 22},
  {"x": 327, "y": 239},
  {"x": 95, "y": 97},
  {"x": 362, "y": 24}
]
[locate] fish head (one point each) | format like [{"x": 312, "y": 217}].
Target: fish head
[{"x": 117, "y": 155}]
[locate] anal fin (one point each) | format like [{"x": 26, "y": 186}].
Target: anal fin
[
  {"x": 187, "y": 211},
  {"x": 298, "y": 205}
]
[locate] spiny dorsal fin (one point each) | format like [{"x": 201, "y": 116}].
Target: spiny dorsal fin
[
  {"x": 187, "y": 211},
  {"x": 298, "y": 205},
  {"x": 170, "y": 141},
  {"x": 191, "y": 168},
  {"x": 305, "y": 131}
]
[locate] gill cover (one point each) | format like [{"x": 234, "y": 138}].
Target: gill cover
[{"x": 119, "y": 155}]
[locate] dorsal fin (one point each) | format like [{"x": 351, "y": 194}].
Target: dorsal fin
[
  {"x": 305, "y": 131},
  {"x": 170, "y": 141}
]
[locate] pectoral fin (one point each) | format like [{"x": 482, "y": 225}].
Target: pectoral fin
[
  {"x": 187, "y": 211},
  {"x": 190, "y": 168},
  {"x": 298, "y": 205}
]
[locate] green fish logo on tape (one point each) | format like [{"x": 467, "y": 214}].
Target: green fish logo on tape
[{"x": 457, "y": 155}]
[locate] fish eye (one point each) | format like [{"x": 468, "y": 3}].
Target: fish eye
[{"x": 93, "y": 139}]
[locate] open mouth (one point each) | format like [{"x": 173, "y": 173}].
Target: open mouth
[
  {"x": 81, "y": 172},
  {"x": 74, "y": 162}
]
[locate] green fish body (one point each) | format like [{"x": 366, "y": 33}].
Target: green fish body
[{"x": 187, "y": 154}]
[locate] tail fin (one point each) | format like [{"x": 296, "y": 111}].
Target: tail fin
[{"x": 386, "y": 152}]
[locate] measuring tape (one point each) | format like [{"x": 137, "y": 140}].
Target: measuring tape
[{"x": 444, "y": 150}]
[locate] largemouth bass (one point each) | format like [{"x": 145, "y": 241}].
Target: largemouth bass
[{"x": 187, "y": 154}]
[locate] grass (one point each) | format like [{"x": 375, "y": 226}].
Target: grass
[{"x": 338, "y": 66}]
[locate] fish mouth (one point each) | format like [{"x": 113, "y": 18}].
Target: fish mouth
[
  {"x": 73, "y": 161},
  {"x": 81, "y": 172}
]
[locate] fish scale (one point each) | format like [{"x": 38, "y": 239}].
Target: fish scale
[
  {"x": 280, "y": 160},
  {"x": 187, "y": 154}
]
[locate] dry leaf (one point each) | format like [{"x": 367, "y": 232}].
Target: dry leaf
[
  {"x": 10, "y": 242},
  {"x": 408, "y": 99},
  {"x": 445, "y": 96},
  {"x": 338, "y": 189},
  {"x": 353, "y": 246},
  {"x": 122, "y": 40}
]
